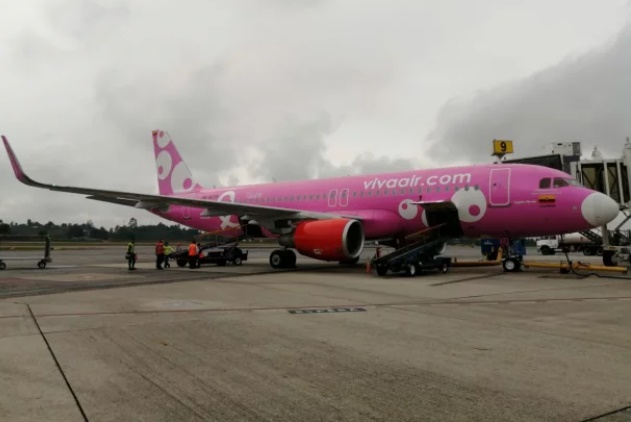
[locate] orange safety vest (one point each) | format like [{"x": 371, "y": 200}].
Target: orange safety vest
[{"x": 192, "y": 249}]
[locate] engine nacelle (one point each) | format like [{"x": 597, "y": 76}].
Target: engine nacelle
[{"x": 339, "y": 239}]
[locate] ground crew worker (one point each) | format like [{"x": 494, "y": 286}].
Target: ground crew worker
[
  {"x": 159, "y": 254},
  {"x": 131, "y": 255},
  {"x": 192, "y": 254},
  {"x": 168, "y": 250}
]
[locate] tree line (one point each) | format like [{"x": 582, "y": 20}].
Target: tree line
[{"x": 89, "y": 232}]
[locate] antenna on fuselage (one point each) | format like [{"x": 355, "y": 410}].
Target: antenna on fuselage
[{"x": 274, "y": 179}]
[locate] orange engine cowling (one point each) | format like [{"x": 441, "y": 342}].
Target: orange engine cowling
[{"x": 338, "y": 239}]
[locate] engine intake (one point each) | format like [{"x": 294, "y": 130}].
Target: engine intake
[{"x": 338, "y": 239}]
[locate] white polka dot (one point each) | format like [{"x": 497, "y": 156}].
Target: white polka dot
[
  {"x": 181, "y": 178},
  {"x": 228, "y": 194},
  {"x": 163, "y": 139},
  {"x": 466, "y": 201},
  {"x": 408, "y": 210},
  {"x": 163, "y": 164}
]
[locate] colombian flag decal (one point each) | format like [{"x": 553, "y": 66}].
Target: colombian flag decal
[{"x": 547, "y": 199}]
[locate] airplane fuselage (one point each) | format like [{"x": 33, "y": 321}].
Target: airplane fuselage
[{"x": 494, "y": 200}]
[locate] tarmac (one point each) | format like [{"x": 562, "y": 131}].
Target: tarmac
[{"x": 87, "y": 340}]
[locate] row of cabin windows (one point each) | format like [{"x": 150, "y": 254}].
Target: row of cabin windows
[{"x": 360, "y": 194}]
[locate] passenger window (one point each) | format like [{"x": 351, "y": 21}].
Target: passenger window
[{"x": 544, "y": 183}]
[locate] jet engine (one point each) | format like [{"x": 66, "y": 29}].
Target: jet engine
[{"x": 338, "y": 239}]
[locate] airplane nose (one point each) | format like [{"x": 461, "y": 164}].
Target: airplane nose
[{"x": 599, "y": 209}]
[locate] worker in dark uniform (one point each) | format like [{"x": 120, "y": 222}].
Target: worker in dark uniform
[
  {"x": 131, "y": 255},
  {"x": 159, "y": 255},
  {"x": 200, "y": 255}
]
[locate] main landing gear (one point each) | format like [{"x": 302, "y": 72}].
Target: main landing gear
[{"x": 282, "y": 258}]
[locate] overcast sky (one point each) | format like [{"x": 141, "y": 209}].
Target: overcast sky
[{"x": 292, "y": 89}]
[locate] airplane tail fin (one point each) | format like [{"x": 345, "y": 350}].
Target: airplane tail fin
[{"x": 174, "y": 175}]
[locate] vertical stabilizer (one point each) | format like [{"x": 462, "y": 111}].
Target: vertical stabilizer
[{"x": 174, "y": 175}]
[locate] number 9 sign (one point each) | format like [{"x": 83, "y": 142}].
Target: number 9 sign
[{"x": 502, "y": 147}]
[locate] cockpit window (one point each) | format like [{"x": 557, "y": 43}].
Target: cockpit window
[
  {"x": 559, "y": 182},
  {"x": 544, "y": 183}
]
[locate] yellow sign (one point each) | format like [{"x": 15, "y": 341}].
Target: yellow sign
[{"x": 502, "y": 147}]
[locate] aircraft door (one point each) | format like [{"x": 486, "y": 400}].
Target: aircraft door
[
  {"x": 344, "y": 197},
  {"x": 186, "y": 213},
  {"x": 499, "y": 187},
  {"x": 332, "y": 197}
]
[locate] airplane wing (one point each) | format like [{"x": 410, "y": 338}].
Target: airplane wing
[{"x": 147, "y": 201}]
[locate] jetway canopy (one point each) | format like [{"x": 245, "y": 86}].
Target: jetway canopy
[
  {"x": 610, "y": 177},
  {"x": 554, "y": 161}
]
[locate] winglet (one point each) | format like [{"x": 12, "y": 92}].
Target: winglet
[{"x": 17, "y": 168}]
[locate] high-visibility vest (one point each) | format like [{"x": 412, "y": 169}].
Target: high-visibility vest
[
  {"x": 168, "y": 250},
  {"x": 192, "y": 249}
]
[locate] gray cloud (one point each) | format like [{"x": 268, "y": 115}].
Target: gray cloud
[
  {"x": 586, "y": 99},
  {"x": 298, "y": 152},
  {"x": 252, "y": 90}
]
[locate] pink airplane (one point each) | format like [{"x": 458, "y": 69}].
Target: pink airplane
[{"x": 330, "y": 219}]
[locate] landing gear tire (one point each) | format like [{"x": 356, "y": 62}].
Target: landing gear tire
[
  {"x": 381, "y": 271},
  {"x": 511, "y": 265},
  {"x": 282, "y": 258},
  {"x": 609, "y": 258}
]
